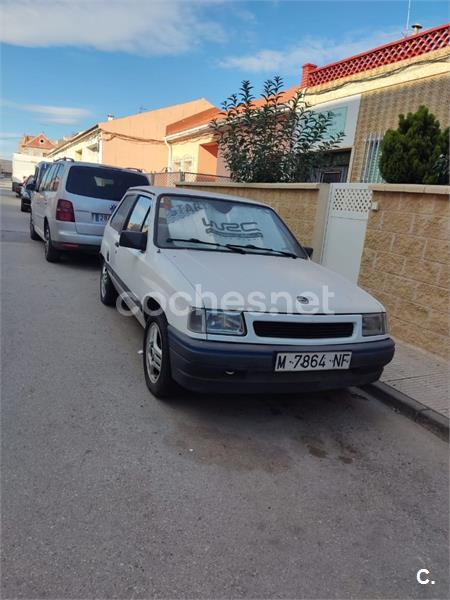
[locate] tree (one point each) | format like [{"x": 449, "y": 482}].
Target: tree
[
  {"x": 416, "y": 152},
  {"x": 272, "y": 140}
]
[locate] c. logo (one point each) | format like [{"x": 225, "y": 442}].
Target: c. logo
[{"x": 420, "y": 579}]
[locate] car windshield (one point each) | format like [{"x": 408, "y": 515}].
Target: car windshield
[
  {"x": 223, "y": 225},
  {"x": 103, "y": 183}
]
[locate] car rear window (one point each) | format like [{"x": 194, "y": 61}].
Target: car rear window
[{"x": 107, "y": 184}]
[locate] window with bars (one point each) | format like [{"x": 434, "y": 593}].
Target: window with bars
[{"x": 370, "y": 172}]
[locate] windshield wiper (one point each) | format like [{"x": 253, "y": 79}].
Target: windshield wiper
[
  {"x": 231, "y": 247},
  {"x": 252, "y": 247}
]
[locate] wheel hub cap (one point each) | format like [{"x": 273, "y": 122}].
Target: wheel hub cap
[{"x": 153, "y": 353}]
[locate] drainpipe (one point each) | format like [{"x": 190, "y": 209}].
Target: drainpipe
[
  {"x": 169, "y": 155},
  {"x": 100, "y": 147}
]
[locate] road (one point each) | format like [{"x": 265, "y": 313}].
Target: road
[{"x": 110, "y": 493}]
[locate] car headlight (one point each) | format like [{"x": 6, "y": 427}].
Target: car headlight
[
  {"x": 218, "y": 322},
  {"x": 374, "y": 324}
]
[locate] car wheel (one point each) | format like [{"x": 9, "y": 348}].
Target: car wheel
[
  {"x": 33, "y": 234},
  {"x": 156, "y": 357},
  {"x": 51, "y": 253},
  {"x": 108, "y": 293}
]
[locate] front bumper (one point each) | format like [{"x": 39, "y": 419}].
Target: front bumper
[{"x": 201, "y": 365}]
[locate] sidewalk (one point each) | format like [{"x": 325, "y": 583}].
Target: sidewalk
[{"x": 422, "y": 376}]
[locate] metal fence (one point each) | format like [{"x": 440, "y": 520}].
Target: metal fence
[{"x": 171, "y": 179}]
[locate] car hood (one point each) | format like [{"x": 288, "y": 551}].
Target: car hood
[{"x": 257, "y": 277}]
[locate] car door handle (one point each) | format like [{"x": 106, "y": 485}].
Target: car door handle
[{"x": 116, "y": 244}]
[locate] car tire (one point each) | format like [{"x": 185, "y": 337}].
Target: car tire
[
  {"x": 33, "y": 235},
  {"x": 108, "y": 293},
  {"x": 51, "y": 253},
  {"x": 157, "y": 357}
]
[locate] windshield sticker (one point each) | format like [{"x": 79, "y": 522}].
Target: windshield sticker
[{"x": 245, "y": 230}]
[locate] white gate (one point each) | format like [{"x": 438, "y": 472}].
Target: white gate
[{"x": 345, "y": 229}]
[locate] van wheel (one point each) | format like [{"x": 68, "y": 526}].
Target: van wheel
[
  {"x": 33, "y": 235},
  {"x": 51, "y": 253},
  {"x": 156, "y": 357},
  {"x": 108, "y": 293}
]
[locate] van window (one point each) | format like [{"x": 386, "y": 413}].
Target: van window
[
  {"x": 101, "y": 182},
  {"x": 48, "y": 178}
]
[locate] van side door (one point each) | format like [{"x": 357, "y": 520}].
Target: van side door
[{"x": 37, "y": 204}]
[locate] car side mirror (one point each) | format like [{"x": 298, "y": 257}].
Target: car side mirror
[
  {"x": 133, "y": 239},
  {"x": 309, "y": 251}
]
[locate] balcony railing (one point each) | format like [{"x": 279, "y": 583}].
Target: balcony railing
[{"x": 409, "y": 47}]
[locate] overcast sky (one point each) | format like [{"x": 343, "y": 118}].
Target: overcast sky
[{"x": 66, "y": 64}]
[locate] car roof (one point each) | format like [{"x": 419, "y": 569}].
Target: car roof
[
  {"x": 79, "y": 163},
  {"x": 178, "y": 191}
]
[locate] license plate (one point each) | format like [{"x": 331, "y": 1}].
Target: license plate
[
  {"x": 100, "y": 217},
  {"x": 312, "y": 361}
]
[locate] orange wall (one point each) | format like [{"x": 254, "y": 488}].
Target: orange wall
[
  {"x": 207, "y": 158},
  {"x": 151, "y": 125}
]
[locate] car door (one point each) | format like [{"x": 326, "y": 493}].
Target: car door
[
  {"x": 38, "y": 206},
  {"x": 50, "y": 195},
  {"x": 130, "y": 263},
  {"x": 113, "y": 229}
]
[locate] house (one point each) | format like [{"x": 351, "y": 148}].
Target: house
[
  {"x": 134, "y": 141},
  {"x": 36, "y": 145},
  {"x": 365, "y": 93}
]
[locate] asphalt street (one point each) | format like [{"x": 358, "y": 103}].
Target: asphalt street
[{"x": 109, "y": 493}]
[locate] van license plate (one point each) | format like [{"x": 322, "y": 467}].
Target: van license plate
[
  {"x": 100, "y": 217},
  {"x": 312, "y": 361}
]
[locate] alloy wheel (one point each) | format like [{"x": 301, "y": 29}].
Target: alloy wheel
[{"x": 153, "y": 353}]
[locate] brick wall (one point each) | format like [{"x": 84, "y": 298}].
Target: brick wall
[
  {"x": 379, "y": 110},
  {"x": 297, "y": 204},
  {"x": 405, "y": 262}
]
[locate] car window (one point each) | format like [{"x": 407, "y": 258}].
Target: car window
[
  {"x": 119, "y": 217},
  {"x": 56, "y": 178},
  {"x": 48, "y": 178},
  {"x": 138, "y": 214},
  {"x": 102, "y": 182},
  {"x": 40, "y": 173},
  {"x": 217, "y": 222}
]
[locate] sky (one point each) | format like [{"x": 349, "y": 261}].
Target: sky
[{"x": 67, "y": 64}]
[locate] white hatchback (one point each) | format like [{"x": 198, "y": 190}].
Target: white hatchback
[{"x": 231, "y": 301}]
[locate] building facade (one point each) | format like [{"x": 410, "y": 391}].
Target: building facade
[
  {"x": 366, "y": 94},
  {"x": 36, "y": 145},
  {"x": 134, "y": 141}
]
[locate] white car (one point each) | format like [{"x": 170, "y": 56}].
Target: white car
[
  {"x": 230, "y": 300},
  {"x": 72, "y": 201}
]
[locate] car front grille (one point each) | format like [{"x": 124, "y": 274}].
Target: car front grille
[{"x": 309, "y": 331}]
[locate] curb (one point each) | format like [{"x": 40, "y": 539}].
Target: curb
[{"x": 414, "y": 410}]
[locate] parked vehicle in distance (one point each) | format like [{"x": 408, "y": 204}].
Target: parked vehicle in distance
[
  {"x": 23, "y": 165},
  {"x": 236, "y": 333},
  {"x": 25, "y": 193},
  {"x": 72, "y": 203}
]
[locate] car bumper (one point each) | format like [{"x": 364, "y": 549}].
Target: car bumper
[
  {"x": 202, "y": 366},
  {"x": 64, "y": 238}
]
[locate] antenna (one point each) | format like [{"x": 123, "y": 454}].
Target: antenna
[{"x": 408, "y": 17}]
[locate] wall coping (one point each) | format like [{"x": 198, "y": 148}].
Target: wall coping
[
  {"x": 411, "y": 188},
  {"x": 268, "y": 186}
]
